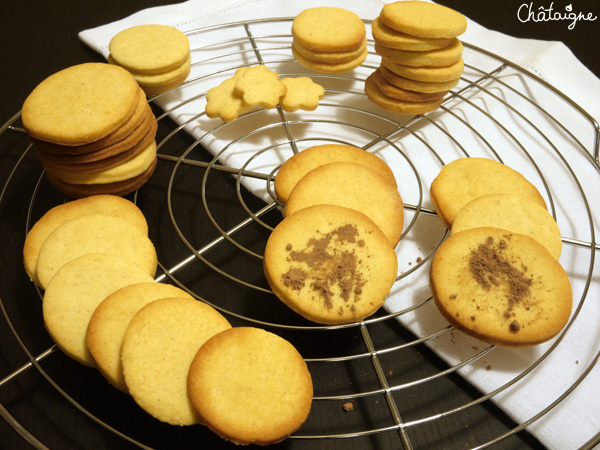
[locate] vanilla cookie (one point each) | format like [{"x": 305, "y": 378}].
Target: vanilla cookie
[
  {"x": 159, "y": 346},
  {"x": 259, "y": 86},
  {"x": 74, "y": 293},
  {"x": 302, "y": 93},
  {"x": 500, "y": 287},
  {"x": 514, "y": 213},
  {"x": 423, "y": 19},
  {"x": 330, "y": 57},
  {"x": 327, "y": 67},
  {"x": 425, "y": 87},
  {"x": 223, "y": 102},
  {"x": 432, "y": 58},
  {"x": 110, "y": 205},
  {"x": 368, "y": 193},
  {"x": 292, "y": 170},
  {"x": 106, "y": 328},
  {"x": 250, "y": 386},
  {"x": 390, "y": 90},
  {"x": 94, "y": 233},
  {"x": 465, "y": 179},
  {"x": 330, "y": 264},
  {"x": 390, "y": 38},
  {"x": 427, "y": 74}
]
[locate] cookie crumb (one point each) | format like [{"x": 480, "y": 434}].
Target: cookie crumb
[{"x": 348, "y": 406}]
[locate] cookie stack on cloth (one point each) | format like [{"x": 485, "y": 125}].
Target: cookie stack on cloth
[
  {"x": 421, "y": 56},
  {"x": 158, "y": 56},
  {"x": 93, "y": 129},
  {"x": 329, "y": 39}
]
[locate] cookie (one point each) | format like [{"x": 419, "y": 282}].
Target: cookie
[
  {"x": 101, "y": 204},
  {"x": 80, "y": 104},
  {"x": 328, "y": 29},
  {"x": 330, "y": 68},
  {"x": 302, "y": 93},
  {"x": 423, "y": 19},
  {"x": 94, "y": 233},
  {"x": 396, "y": 105},
  {"x": 330, "y": 57},
  {"x": 223, "y": 102},
  {"x": 157, "y": 83},
  {"x": 465, "y": 179},
  {"x": 150, "y": 49},
  {"x": 368, "y": 193},
  {"x": 390, "y": 38},
  {"x": 432, "y": 58},
  {"x": 293, "y": 169},
  {"x": 426, "y": 74},
  {"x": 390, "y": 90},
  {"x": 106, "y": 328},
  {"x": 159, "y": 346},
  {"x": 513, "y": 213},
  {"x": 330, "y": 264},
  {"x": 500, "y": 287},
  {"x": 424, "y": 87},
  {"x": 76, "y": 290},
  {"x": 259, "y": 86},
  {"x": 250, "y": 386}
]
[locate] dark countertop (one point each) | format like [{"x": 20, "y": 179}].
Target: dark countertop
[{"x": 40, "y": 38}]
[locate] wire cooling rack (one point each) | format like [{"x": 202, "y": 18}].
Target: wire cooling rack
[{"x": 395, "y": 380}]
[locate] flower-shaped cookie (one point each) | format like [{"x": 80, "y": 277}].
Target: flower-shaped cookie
[
  {"x": 260, "y": 86},
  {"x": 223, "y": 102},
  {"x": 302, "y": 93}
]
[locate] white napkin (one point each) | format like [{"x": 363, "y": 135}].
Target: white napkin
[{"x": 577, "y": 419}]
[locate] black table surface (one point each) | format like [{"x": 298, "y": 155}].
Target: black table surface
[{"x": 40, "y": 38}]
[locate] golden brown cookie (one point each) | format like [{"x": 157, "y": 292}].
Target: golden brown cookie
[
  {"x": 99, "y": 204},
  {"x": 427, "y": 74},
  {"x": 330, "y": 264},
  {"x": 106, "y": 328},
  {"x": 431, "y": 58},
  {"x": 330, "y": 68},
  {"x": 303, "y": 162},
  {"x": 502, "y": 288},
  {"x": 80, "y": 104},
  {"x": 159, "y": 346},
  {"x": 423, "y": 19},
  {"x": 94, "y": 233},
  {"x": 302, "y": 93},
  {"x": 390, "y": 90},
  {"x": 250, "y": 386},
  {"x": 368, "y": 192},
  {"x": 390, "y": 38},
  {"x": 414, "y": 85},
  {"x": 330, "y": 57},
  {"x": 465, "y": 179},
  {"x": 223, "y": 102},
  {"x": 514, "y": 213},
  {"x": 259, "y": 86},
  {"x": 396, "y": 105},
  {"x": 74, "y": 293}
]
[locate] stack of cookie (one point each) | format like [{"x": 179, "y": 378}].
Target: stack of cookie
[
  {"x": 158, "y": 56},
  {"x": 421, "y": 56},
  {"x": 329, "y": 39},
  {"x": 93, "y": 130}
]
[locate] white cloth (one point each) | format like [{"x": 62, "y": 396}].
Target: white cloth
[{"x": 577, "y": 419}]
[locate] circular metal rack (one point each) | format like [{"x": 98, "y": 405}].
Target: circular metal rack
[{"x": 211, "y": 206}]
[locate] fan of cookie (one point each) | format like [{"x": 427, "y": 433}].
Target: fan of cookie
[
  {"x": 157, "y": 56},
  {"x": 329, "y": 39},
  {"x": 93, "y": 130},
  {"x": 421, "y": 56}
]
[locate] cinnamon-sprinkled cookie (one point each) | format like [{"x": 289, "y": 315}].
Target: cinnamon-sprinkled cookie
[
  {"x": 330, "y": 264},
  {"x": 500, "y": 287}
]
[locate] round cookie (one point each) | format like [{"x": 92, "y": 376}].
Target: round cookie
[
  {"x": 150, "y": 49},
  {"x": 390, "y": 38},
  {"x": 465, "y": 179},
  {"x": 100, "y": 204},
  {"x": 330, "y": 68},
  {"x": 159, "y": 346},
  {"x": 513, "y": 213},
  {"x": 250, "y": 386},
  {"x": 427, "y": 74},
  {"x": 414, "y": 85},
  {"x": 75, "y": 291},
  {"x": 502, "y": 288},
  {"x": 379, "y": 98},
  {"x": 368, "y": 193},
  {"x": 390, "y": 90},
  {"x": 423, "y": 19},
  {"x": 94, "y": 233},
  {"x": 303, "y": 162},
  {"x": 328, "y": 29},
  {"x": 106, "y": 328},
  {"x": 437, "y": 58},
  {"x": 80, "y": 104},
  {"x": 330, "y": 264},
  {"x": 330, "y": 57}
]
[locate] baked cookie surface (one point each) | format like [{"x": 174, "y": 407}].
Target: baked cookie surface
[
  {"x": 465, "y": 179},
  {"x": 330, "y": 264},
  {"x": 250, "y": 386},
  {"x": 159, "y": 346},
  {"x": 500, "y": 287},
  {"x": 390, "y": 38}
]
